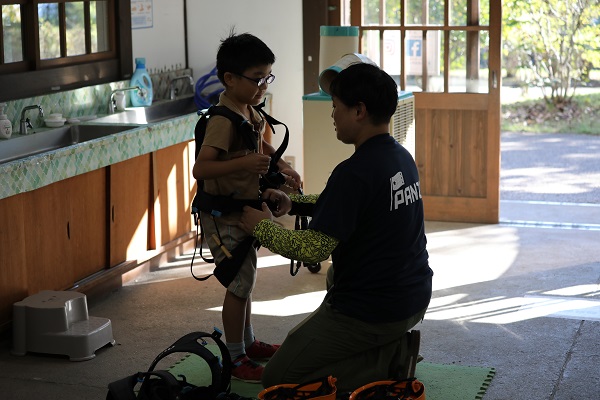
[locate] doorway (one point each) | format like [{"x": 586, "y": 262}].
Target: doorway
[{"x": 450, "y": 60}]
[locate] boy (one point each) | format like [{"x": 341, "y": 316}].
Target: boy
[
  {"x": 229, "y": 168},
  {"x": 370, "y": 219}
]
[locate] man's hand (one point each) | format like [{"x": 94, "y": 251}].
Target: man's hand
[
  {"x": 283, "y": 204},
  {"x": 251, "y": 217}
]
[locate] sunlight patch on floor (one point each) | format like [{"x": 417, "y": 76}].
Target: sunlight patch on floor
[
  {"x": 506, "y": 310},
  {"x": 491, "y": 252},
  {"x": 291, "y": 305}
]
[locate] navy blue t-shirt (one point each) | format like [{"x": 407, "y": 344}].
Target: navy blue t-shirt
[{"x": 372, "y": 204}]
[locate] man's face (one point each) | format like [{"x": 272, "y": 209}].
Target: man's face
[{"x": 343, "y": 121}]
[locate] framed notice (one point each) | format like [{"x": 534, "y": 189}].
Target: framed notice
[{"x": 141, "y": 14}]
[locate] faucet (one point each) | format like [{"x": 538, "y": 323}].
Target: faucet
[
  {"x": 25, "y": 122},
  {"x": 175, "y": 91},
  {"x": 111, "y": 101}
]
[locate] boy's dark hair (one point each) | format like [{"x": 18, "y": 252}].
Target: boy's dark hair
[
  {"x": 367, "y": 84},
  {"x": 237, "y": 53}
]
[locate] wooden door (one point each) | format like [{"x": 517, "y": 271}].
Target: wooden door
[
  {"x": 449, "y": 57},
  {"x": 130, "y": 185}
]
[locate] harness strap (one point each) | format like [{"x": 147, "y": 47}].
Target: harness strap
[
  {"x": 217, "y": 205},
  {"x": 275, "y": 157}
]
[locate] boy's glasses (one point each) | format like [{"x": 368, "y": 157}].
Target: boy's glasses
[{"x": 260, "y": 81}]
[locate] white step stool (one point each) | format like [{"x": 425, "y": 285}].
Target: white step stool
[{"x": 57, "y": 322}]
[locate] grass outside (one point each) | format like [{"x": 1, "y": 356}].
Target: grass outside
[{"x": 581, "y": 116}]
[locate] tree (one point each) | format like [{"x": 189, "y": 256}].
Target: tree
[{"x": 557, "y": 40}]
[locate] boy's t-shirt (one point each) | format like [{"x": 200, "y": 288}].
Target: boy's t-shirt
[
  {"x": 372, "y": 204},
  {"x": 222, "y": 134}
]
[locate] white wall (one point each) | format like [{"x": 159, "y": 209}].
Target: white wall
[
  {"x": 163, "y": 44},
  {"x": 278, "y": 23}
]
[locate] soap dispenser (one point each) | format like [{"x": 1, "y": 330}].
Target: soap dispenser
[{"x": 5, "y": 124}]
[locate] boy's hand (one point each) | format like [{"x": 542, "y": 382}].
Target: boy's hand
[
  {"x": 251, "y": 216},
  {"x": 256, "y": 162},
  {"x": 292, "y": 178}
]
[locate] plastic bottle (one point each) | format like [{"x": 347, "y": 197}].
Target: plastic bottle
[
  {"x": 5, "y": 124},
  {"x": 142, "y": 79}
]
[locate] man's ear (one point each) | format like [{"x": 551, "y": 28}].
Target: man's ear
[{"x": 361, "y": 110}]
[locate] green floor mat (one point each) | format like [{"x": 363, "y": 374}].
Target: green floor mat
[{"x": 442, "y": 382}]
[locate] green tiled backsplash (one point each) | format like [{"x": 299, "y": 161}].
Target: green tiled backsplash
[{"x": 90, "y": 100}]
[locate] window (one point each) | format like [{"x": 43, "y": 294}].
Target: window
[{"x": 48, "y": 46}]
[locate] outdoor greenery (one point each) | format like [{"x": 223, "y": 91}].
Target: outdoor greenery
[
  {"x": 580, "y": 115},
  {"x": 552, "y": 44}
]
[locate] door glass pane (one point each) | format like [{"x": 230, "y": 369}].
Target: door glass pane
[
  {"x": 458, "y": 12},
  {"x": 483, "y": 85},
  {"x": 458, "y": 62},
  {"x": 371, "y": 12},
  {"x": 392, "y": 54},
  {"x": 99, "y": 26},
  {"x": 392, "y": 13},
  {"x": 11, "y": 28},
  {"x": 49, "y": 30},
  {"x": 484, "y": 12},
  {"x": 75, "y": 23},
  {"x": 370, "y": 45},
  {"x": 420, "y": 48},
  {"x": 468, "y": 62},
  {"x": 424, "y": 12}
]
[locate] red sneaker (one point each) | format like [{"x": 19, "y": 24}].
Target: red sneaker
[
  {"x": 260, "y": 350},
  {"x": 244, "y": 369}
]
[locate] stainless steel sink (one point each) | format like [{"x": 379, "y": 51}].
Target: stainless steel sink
[
  {"x": 158, "y": 111},
  {"x": 48, "y": 140}
]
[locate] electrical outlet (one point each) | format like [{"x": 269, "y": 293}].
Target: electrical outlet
[{"x": 291, "y": 160}]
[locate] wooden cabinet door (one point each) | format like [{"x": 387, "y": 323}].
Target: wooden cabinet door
[
  {"x": 13, "y": 268},
  {"x": 130, "y": 188},
  {"x": 48, "y": 254},
  {"x": 88, "y": 223},
  {"x": 172, "y": 181},
  {"x": 66, "y": 229}
]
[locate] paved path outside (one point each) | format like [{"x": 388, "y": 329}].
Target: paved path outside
[{"x": 551, "y": 167}]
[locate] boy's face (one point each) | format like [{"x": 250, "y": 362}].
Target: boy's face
[{"x": 244, "y": 87}]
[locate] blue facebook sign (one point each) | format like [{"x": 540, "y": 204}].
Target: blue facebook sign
[{"x": 414, "y": 47}]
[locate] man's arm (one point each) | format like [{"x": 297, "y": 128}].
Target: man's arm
[
  {"x": 303, "y": 204},
  {"x": 308, "y": 245}
]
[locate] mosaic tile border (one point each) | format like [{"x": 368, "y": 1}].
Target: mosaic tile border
[
  {"x": 36, "y": 171},
  {"x": 90, "y": 100}
]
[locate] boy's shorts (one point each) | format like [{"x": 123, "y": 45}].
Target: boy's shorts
[{"x": 243, "y": 283}]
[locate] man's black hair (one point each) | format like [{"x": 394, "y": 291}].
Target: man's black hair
[
  {"x": 237, "y": 53},
  {"x": 367, "y": 84}
]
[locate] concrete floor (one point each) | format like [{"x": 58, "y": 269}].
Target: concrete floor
[{"x": 522, "y": 296}]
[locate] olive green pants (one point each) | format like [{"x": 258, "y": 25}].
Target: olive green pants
[{"x": 328, "y": 342}]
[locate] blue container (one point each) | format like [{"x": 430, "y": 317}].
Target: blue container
[{"x": 141, "y": 78}]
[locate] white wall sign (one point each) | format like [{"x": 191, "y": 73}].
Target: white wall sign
[{"x": 141, "y": 14}]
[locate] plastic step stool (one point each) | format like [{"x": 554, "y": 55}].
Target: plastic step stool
[{"x": 57, "y": 322}]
